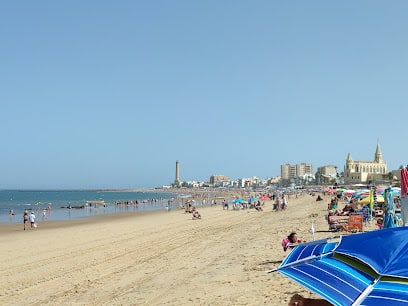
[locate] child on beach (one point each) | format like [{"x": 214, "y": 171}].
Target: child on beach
[
  {"x": 291, "y": 241},
  {"x": 196, "y": 214}
]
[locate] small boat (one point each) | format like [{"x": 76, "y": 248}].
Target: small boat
[{"x": 74, "y": 207}]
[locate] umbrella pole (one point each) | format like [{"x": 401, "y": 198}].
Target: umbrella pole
[
  {"x": 365, "y": 293},
  {"x": 312, "y": 229}
]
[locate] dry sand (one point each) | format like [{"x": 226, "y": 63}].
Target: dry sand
[{"x": 157, "y": 258}]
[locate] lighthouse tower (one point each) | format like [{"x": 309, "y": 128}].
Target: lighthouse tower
[{"x": 177, "y": 180}]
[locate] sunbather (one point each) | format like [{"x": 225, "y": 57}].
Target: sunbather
[
  {"x": 196, "y": 214},
  {"x": 336, "y": 226}
]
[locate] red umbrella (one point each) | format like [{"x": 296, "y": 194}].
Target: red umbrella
[
  {"x": 265, "y": 198},
  {"x": 404, "y": 182},
  {"x": 404, "y": 197}
]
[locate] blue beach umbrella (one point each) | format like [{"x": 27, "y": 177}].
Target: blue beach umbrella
[
  {"x": 395, "y": 191},
  {"x": 360, "y": 194},
  {"x": 360, "y": 269}
]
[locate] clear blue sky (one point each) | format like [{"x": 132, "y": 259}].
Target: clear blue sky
[{"x": 109, "y": 94}]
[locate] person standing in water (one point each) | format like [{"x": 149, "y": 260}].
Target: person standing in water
[{"x": 25, "y": 218}]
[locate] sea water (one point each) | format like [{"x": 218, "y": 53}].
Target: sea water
[{"x": 53, "y": 205}]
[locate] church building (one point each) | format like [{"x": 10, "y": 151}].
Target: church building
[{"x": 365, "y": 172}]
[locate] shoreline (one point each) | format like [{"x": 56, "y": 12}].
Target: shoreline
[
  {"x": 54, "y": 206},
  {"x": 6, "y": 228}
]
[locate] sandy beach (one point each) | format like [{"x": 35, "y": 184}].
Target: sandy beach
[{"x": 157, "y": 258}]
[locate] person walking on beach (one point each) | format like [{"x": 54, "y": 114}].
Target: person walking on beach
[
  {"x": 284, "y": 202},
  {"x": 225, "y": 205},
  {"x": 32, "y": 219},
  {"x": 277, "y": 204},
  {"x": 25, "y": 218}
]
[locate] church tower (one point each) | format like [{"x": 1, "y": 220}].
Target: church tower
[{"x": 378, "y": 155}]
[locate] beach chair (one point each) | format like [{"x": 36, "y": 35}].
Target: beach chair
[
  {"x": 350, "y": 223},
  {"x": 355, "y": 223}
]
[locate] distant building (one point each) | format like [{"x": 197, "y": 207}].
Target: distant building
[
  {"x": 328, "y": 170},
  {"x": 215, "y": 179},
  {"x": 290, "y": 171},
  {"x": 273, "y": 180},
  {"x": 358, "y": 171},
  {"x": 326, "y": 174},
  {"x": 244, "y": 182}
]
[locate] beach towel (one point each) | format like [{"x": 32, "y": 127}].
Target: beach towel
[{"x": 285, "y": 243}]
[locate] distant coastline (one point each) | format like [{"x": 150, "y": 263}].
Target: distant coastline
[{"x": 141, "y": 190}]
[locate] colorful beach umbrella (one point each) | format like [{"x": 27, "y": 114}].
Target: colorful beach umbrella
[
  {"x": 359, "y": 269},
  {"x": 395, "y": 191},
  {"x": 362, "y": 193},
  {"x": 366, "y": 200},
  {"x": 349, "y": 192}
]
